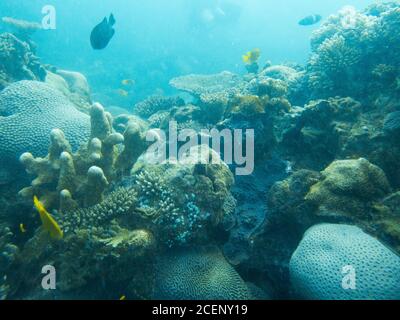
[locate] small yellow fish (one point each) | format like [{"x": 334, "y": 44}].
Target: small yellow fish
[
  {"x": 122, "y": 298},
  {"x": 123, "y": 93},
  {"x": 49, "y": 224},
  {"x": 127, "y": 82},
  {"x": 22, "y": 228},
  {"x": 252, "y": 56}
]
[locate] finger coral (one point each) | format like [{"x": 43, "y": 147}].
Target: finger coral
[
  {"x": 29, "y": 111},
  {"x": 64, "y": 177}
]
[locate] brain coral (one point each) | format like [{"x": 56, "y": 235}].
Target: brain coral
[
  {"x": 29, "y": 110},
  {"x": 198, "y": 275},
  {"x": 319, "y": 266}
]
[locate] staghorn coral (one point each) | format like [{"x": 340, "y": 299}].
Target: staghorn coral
[
  {"x": 152, "y": 105},
  {"x": 29, "y": 110},
  {"x": 319, "y": 265},
  {"x": 198, "y": 275},
  {"x": 17, "y": 61},
  {"x": 65, "y": 177}
]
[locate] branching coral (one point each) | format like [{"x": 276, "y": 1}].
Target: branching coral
[
  {"x": 181, "y": 200},
  {"x": 119, "y": 203},
  {"x": 348, "y": 47},
  {"x": 85, "y": 175},
  {"x": 29, "y": 110},
  {"x": 17, "y": 61}
]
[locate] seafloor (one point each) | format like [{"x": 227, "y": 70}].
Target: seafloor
[{"x": 319, "y": 218}]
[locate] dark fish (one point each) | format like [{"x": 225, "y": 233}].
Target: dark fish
[
  {"x": 310, "y": 20},
  {"x": 102, "y": 33}
]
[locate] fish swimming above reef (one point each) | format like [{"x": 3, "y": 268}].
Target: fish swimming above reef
[
  {"x": 49, "y": 224},
  {"x": 310, "y": 20},
  {"x": 251, "y": 56},
  {"x": 103, "y": 33}
]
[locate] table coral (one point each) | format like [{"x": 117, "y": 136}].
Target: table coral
[{"x": 200, "y": 84}]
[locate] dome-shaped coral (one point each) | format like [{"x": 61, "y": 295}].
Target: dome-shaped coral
[
  {"x": 198, "y": 275},
  {"x": 328, "y": 253},
  {"x": 29, "y": 111}
]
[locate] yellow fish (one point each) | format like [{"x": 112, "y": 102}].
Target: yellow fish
[
  {"x": 127, "y": 82},
  {"x": 49, "y": 224},
  {"x": 122, "y": 298},
  {"x": 123, "y": 93},
  {"x": 22, "y": 228},
  {"x": 252, "y": 56}
]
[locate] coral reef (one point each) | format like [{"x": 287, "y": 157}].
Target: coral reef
[
  {"x": 349, "y": 47},
  {"x": 17, "y": 61},
  {"x": 197, "y": 85},
  {"x": 322, "y": 131},
  {"x": 85, "y": 175},
  {"x": 29, "y": 111},
  {"x": 21, "y": 28},
  {"x": 8, "y": 255},
  {"x": 329, "y": 252},
  {"x": 79, "y": 91},
  {"x": 348, "y": 187},
  {"x": 202, "y": 274},
  {"x": 185, "y": 199},
  {"x": 152, "y": 105}
]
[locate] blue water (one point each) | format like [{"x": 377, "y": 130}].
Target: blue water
[{"x": 157, "y": 40}]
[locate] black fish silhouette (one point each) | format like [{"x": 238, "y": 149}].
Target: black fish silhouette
[
  {"x": 310, "y": 20},
  {"x": 102, "y": 33}
]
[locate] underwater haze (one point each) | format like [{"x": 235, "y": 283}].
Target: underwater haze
[
  {"x": 199, "y": 150},
  {"x": 157, "y": 40}
]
